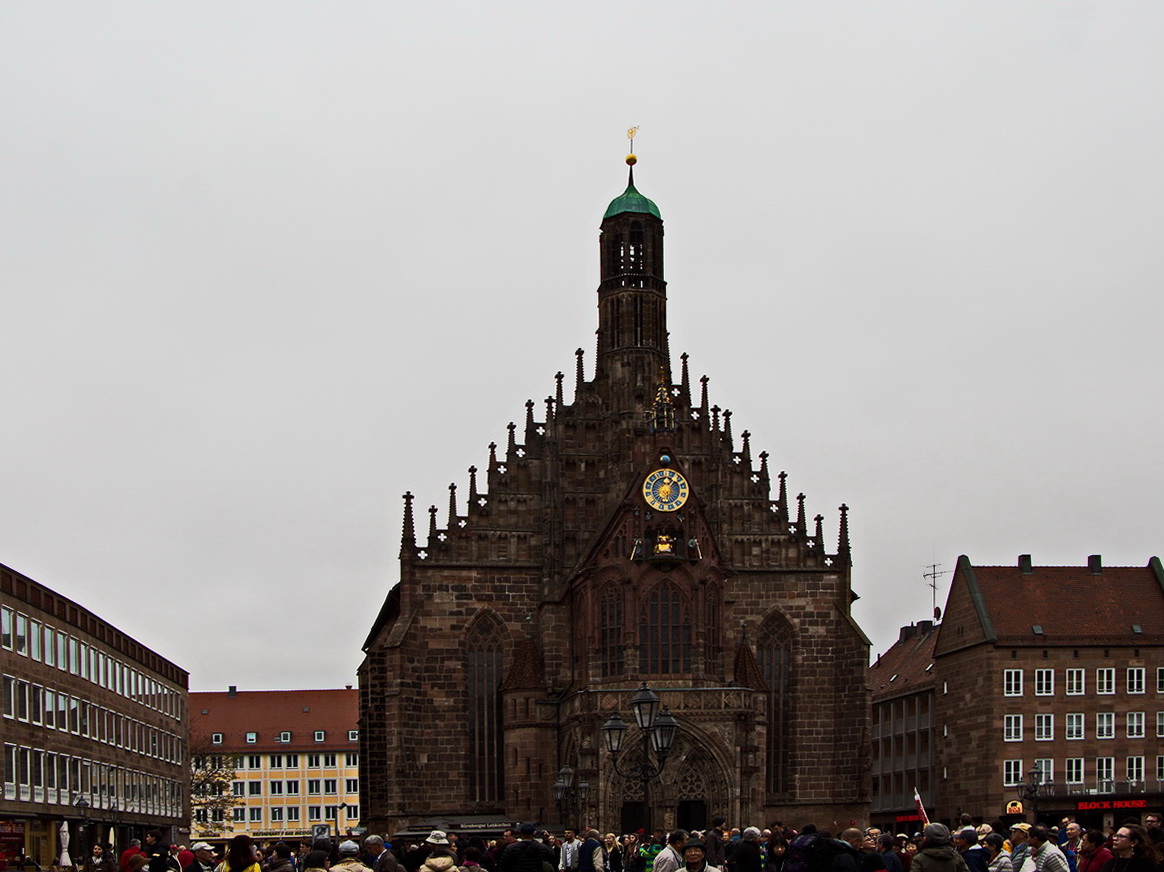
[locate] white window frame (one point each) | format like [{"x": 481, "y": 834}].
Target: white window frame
[
  {"x": 1160, "y": 679},
  {"x": 1044, "y": 727},
  {"x": 1046, "y": 767},
  {"x": 1135, "y": 680},
  {"x": 1134, "y": 769},
  {"x": 1012, "y": 773},
  {"x": 1012, "y": 682},
  {"x": 1160, "y": 725},
  {"x": 276, "y": 814},
  {"x": 1044, "y": 682},
  {"x": 1074, "y": 770},
  {"x": 1105, "y": 774},
  {"x": 252, "y": 738},
  {"x": 353, "y": 735},
  {"x": 216, "y": 738},
  {"x": 1105, "y": 725},
  {"x": 1135, "y": 722},
  {"x": 320, "y": 736},
  {"x": 285, "y": 736},
  {"x": 255, "y": 814},
  {"x": 1075, "y": 727},
  {"x": 1012, "y": 728},
  {"x": 1105, "y": 681}
]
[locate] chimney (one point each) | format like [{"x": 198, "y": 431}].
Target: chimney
[
  {"x": 907, "y": 633},
  {"x": 1095, "y": 564},
  {"x": 925, "y": 627},
  {"x": 232, "y": 690},
  {"x": 1024, "y": 564}
]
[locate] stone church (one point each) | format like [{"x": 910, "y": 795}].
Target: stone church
[{"x": 621, "y": 534}]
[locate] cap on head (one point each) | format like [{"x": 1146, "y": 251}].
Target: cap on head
[
  {"x": 527, "y": 829},
  {"x": 349, "y": 848},
  {"x": 201, "y": 846},
  {"x": 438, "y": 837}
]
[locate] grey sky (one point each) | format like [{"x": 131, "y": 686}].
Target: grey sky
[{"x": 266, "y": 266}]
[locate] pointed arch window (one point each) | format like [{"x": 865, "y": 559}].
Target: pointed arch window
[
  {"x": 774, "y": 653},
  {"x": 483, "y": 671},
  {"x": 610, "y": 631},
  {"x": 665, "y": 632}
]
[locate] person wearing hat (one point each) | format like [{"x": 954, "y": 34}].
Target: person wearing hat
[
  {"x": 349, "y": 857},
  {"x": 695, "y": 857},
  {"x": 1019, "y": 846},
  {"x": 936, "y": 853},
  {"x": 203, "y": 858},
  {"x": 975, "y": 855},
  {"x": 442, "y": 858}
]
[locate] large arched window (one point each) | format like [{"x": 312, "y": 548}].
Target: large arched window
[
  {"x": 610, "y": 631},
  {"x": 774, "y": 653},
  {"x": 665, "y": 632},
  {"x": 486, "y": 737}
]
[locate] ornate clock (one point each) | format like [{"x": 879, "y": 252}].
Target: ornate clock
[{"x": 665, "y": 490}]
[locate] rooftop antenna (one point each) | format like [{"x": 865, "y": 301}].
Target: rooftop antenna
[{"x": 934, "y": 572}]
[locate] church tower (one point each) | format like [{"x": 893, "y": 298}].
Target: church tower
[
  {"x": 632, "y": 298},
  {"x": 622, "y": 536}
]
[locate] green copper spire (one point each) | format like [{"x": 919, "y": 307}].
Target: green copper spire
[{"x": 631, "y": 200}]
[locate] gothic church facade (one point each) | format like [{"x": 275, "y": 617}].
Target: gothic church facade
[{"x": 624, "y": 536}]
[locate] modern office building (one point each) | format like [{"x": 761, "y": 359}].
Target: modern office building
[
  {"x": 94, "y": 727},
  {"x": 904, "y": 745},
  {"x": 292, "y": 761}
]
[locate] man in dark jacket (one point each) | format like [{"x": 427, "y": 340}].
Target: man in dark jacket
[
  {"x": 526, "y": 854},
  {"x": 713, "y": 845},
  {"x": 976, "y": 856}
]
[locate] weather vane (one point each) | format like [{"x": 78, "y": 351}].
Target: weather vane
[{"x": 630, "y": 134}]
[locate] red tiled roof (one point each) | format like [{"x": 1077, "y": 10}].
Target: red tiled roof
[
  {"x": 1071, "y": 602},
  {"x": 903, "y": 668},
  {"x": 270, "y": 712}
]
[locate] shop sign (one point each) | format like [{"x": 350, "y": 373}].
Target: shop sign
[
  {"x": 11, "y": 837},
  {"x": 1014, "y": 807},
  {"x": 1103, "y": 804},
  {"x": 907, "y": 818}
]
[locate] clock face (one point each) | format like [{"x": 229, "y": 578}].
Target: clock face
[{"x": 665, "y": 490}]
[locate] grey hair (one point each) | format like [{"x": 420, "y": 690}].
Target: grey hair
[{"x": 751, "y": 834}]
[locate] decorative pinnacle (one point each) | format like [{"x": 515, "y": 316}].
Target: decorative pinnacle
[{"x": 408, "y": 533}]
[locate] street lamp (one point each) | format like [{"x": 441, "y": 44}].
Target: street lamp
[
  {"x": 1029, "y": 792},
  {"x": 339, "y": 808},
  {"x": 570, "y": 796},
  {"x": 82, "y": 805},
  {"x": 657, "y": 728}
]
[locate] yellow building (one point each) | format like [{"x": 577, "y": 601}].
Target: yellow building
[{"x": 295, "y": 761}]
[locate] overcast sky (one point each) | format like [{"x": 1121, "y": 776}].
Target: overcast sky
[{"x": 266, "y": 266}]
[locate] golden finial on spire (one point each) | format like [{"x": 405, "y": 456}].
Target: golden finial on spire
[{"x": 631, "y": 160}]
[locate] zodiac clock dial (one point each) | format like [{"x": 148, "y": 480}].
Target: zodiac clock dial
[{"x": 665, "y": 490}]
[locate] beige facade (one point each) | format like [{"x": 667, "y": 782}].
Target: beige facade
[{"x": 295, "y": 760}]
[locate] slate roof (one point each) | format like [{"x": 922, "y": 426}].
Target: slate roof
[
  {"x": 903, "y": 668},
  {"x": 270, "y": 712},
  {"x": 1070, "y": 603}
]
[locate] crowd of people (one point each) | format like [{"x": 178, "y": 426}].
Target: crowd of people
[{"x": 1021, "y": 847}]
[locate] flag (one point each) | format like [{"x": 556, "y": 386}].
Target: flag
[{"x": 921, "y": 809}]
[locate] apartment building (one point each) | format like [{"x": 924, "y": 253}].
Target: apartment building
[
  {"x": 290, "y": 758},
  {"x": 1048, "y": 693}
]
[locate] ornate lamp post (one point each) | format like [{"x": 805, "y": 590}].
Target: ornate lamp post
[
  {"x": 338, "y": 810},
  {"x": 1029, "y": 792},
  {"x": 658, "y": 730},
  {"x": 570, "y": 797},
  {"x": 82, "y": 805}
]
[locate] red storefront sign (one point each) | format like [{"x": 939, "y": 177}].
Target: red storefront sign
[
  {"x": 1102, "y": 804},
  {"x": 907, "y": 818}
]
